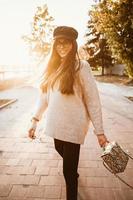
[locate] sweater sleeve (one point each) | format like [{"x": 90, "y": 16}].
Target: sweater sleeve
[
  {"x": 41, "y": 105},
  {"x": 91, "y": 96}
]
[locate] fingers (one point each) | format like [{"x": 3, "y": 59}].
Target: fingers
[
  {"x": 32, "y": 133},
  {"x": 102, "y": 144},
  {"x": 102, "y": 140}
]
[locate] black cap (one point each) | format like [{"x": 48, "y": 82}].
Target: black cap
[{"x": 65, "y": 32}]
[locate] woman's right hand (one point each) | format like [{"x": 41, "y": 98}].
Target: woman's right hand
[
  {"x": 32, "y": 130},
  {"x": 31, "y": 133}
]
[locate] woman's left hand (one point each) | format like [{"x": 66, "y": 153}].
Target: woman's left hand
[{"x": 102, "y": 140}]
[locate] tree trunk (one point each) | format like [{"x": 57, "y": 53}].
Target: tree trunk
[
  {"x": 102, "y": 65},
  {"x": 129, "y": 83}
]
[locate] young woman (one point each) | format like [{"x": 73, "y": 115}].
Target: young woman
[{"x": 70, "y": 94}]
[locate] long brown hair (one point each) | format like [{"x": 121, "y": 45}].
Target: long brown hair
[{"x": 63, "y": 71}]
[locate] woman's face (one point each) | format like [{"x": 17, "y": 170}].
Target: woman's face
[{"x": 63, "y": 47}]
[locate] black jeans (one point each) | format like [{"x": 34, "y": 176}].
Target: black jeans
[{"x": 70, "y": 154}]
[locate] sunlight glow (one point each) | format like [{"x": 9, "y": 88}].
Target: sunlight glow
[{"x": 16, "y": 16}]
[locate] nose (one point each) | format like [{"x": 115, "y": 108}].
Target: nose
[{"x": 61, "y": 46}]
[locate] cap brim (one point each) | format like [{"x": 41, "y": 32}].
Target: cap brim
[{"x": 63, "y": 36}]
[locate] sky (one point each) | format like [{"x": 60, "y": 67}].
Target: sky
[{"x": 16, "y": 16}]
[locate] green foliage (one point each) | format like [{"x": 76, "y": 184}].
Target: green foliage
[
  {"x": 96, "y": 45},
  {"x": 115, "y": 21},
  {"x": 39, "y": 40}
]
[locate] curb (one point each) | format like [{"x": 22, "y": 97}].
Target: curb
[{"x": 8, "y": 103}]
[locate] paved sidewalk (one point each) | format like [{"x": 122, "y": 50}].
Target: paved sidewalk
[{"x": 32, "y": 170}]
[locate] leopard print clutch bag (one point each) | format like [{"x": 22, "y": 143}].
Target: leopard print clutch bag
[{"x": 115, "y": 159}]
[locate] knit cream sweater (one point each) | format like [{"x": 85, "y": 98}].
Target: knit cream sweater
[{"x": 66, "y": 117}]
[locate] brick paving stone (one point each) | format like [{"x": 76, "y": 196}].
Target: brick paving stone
[
  {"x": 86, "y": 193},
  {"x": 4, "y": 179},
  {"x": 40, "y": 170},
  {"x": 90, "y": 156},
  {"x": 10, "y": 155},
  {"x": 63, "y": 192},
  {"x": 13, "y": 198},
  {"x": 51, "y": 150},
  {"x": 60, "y": 163},
  {"x": 55, "y": 171},
  {"x": 37, "y": 156},
  {"x": 47, "y": 163},
  {"x": 18, "y": 191},
  {"x": 18, "y": 170},
  {"x": 24, "y": 155},
  {"x": 84, "y": 163},
  {"x": 36, "y": 191},
  {"x": 2, "y": 169},
  {"x": 101, "y": 172},
  {"x": 89, "y": 171},
  {"x": 53, "y": 192},
  {"x": 130, "y": 165},
  {"x": 3, "y": 161},
  {"x": 128, "y": 173},
  {"x": 12, "y": 162},
  {"x": 94, "y": 182},
  {"x": 110, "y": 182},
  {"x": 105, "y": 194},
  {"x": 82, "y": 181},
  {"x": 19, "y": 179},
  {"x": 102, "y": 182},
  {"x": 52, "y": 180},
  {"x": 8, "y": 148},
  {"x": 41, "y": 149},
  {"x": 42, "y": 199},
  {"x": 100, "y": 164},
  {"x": 43, "y": 156},
  {"x": 124, "y": 186},
  {"x": 124, "y": 194},
  {"x": 25, "y": 162},
  {"x": 31, "y": 179},
  {"x": 5, "y": 190}
]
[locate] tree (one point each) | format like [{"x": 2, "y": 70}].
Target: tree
[
  {"x": 115, "y": 20},
  {"x": 39, "y": 40},
  {"x": 96, "y": 45}
]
